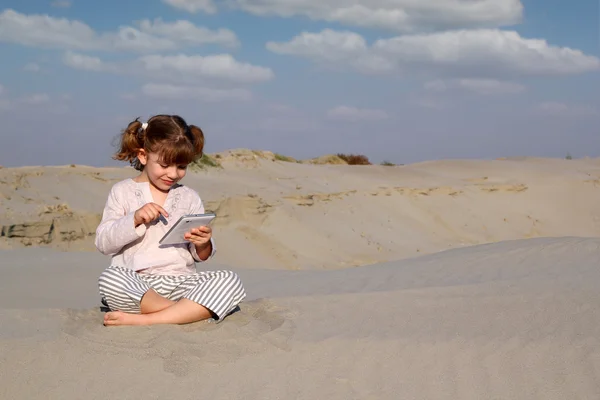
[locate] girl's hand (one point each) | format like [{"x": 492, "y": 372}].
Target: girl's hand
[
  {"x": 148, "y": 213},
  {"x": 200, "y": 237}
]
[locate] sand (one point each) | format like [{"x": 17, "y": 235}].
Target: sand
[{"x": 439, "y": 280}]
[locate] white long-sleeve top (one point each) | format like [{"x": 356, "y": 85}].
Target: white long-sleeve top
[{"x": 138, "y": 248}]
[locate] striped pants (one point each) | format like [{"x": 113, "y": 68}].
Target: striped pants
[{"x": 219, "y": 291}]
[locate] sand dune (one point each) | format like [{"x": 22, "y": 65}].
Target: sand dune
[
  {"x": 439, "y": 280},
  {"x": 283, "y": 215},
  {"x": 510, "y": 320}
]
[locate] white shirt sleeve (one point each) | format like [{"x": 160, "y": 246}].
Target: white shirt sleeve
[{"x": 117, "y": 227}]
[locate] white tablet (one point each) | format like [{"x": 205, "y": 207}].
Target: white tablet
[{"x": 175, "y": 235}]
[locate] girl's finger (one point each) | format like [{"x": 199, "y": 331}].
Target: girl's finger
[{"x": 159, "y": 210}]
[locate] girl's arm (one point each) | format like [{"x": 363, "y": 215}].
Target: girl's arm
[
  {"x": 117, "y": 227},
  {"x": 198, "y": 208}
]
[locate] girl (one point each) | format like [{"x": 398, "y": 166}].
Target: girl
[{"x": 147, "y": 283}]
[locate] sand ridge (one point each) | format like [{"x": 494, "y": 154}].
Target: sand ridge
[
  {"x": 439, "y": 280},
  {"x": 288, "y": 215}
]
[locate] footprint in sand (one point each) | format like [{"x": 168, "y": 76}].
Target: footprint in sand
[{"x": 258, "y": 326}]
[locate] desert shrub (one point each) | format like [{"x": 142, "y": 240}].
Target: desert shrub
[
  {"x": 204, "y": 162},
  {"x": 281, "y": 157},
  {"x": 387, "y": 163},
  {"x": 354, "y": 159}
]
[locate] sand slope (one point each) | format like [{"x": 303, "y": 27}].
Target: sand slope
[
  {"x": 510, "y": 320},
  {"x": 439, "y": 280},
  {"x": 282, "y": 215}
]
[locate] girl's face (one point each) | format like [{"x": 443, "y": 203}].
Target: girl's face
[{"x": 161, "y": 176}]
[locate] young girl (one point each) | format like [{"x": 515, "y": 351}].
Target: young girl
[{"x": 147, "y": 283}]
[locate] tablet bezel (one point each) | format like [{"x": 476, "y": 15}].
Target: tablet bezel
[{"x": 172, "y": 236}]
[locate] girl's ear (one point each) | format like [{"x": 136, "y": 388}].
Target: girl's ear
[{"x": 142, "y": 156}]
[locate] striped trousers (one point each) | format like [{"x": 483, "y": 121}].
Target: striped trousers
[{"x": 219, "y": 291}]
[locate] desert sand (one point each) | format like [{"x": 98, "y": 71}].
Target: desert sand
[{"x": 455, "y": 279}]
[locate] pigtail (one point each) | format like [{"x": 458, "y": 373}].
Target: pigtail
[
  {"x": 169, "y": 136},
  {"x": 132, "y": 140},
  {"x": 198, "y": 139}
]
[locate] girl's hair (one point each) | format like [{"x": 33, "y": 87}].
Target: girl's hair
[{"x": 170, "y": 136}]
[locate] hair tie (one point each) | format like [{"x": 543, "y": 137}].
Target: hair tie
[{"x": 144, "y": 126}]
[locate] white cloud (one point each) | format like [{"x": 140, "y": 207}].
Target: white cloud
[
  {"x": 430, "y": 103},
  {"x": 42, "y": 102},
  {"x": 45, "y": 31},
  {"x": 36, "y": 98},
  {"x": 334, "y": 48},
  {"x": 128, "y": 96},
  {"x": 567, "y": 110},
  {"x": 478, "y": 53},
  {"x": 4, "y": 102},
  {"x": 193, "y": 6},
  {"x": 89, "y": 63},
  {"x": 31, "y": 67},
  {"x": 174, "y": 92},
  {"x": 347, "y": 113},
  {"x": 437, "y": 85},
  {"x": 180, "y": 67},
  {"x": 478, "y": 86},
  {"x": 187, "y": 32},
  {"x": 393, "y": 15},
  {"x": 220, "y": 66},
  {"x": 60, "y": 33},
  {"x": 61, "y": 4}
]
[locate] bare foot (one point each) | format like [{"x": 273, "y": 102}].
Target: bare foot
[
  {"x": 182, "y": 312},
  {"x": 115, "y": 318}
]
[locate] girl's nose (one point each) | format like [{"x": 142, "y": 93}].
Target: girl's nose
[{"x": 172, "y": 173}]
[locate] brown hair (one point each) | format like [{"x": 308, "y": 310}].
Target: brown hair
[{"x": 170, "y": 136}]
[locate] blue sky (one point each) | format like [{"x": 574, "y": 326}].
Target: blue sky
[{"x": 396, "y": 80}]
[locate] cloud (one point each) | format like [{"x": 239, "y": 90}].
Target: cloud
[
  {"x": 393, "y": 15},
  {"x": 36, "y": 98},
  {"x": 174, "y": 92},
  {"x": 193, "y": 6},
  {"x": 33, "y": 99},
  {"x": 61, "y": 4},
  {"x": 4, "y": 102},
  {"x": 334, "y": 49},
  {"x": 567, "y": 110},
  {"x": 474, "y": 53},
  {"x": 478, "y": 86},
  {"x": 36, "y": 30},
  {"x": 31, "y": 67},
  {"x": 45, "y": 31},
  {"x": 222, "y": 67},
  {"x": 89, "y": 63},
  {"x": 347, "y": 113},
  {"x": 429, "y": 103},
  {"x": 187, "y": 32}
]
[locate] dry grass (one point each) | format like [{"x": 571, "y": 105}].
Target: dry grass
[
  {"x": 354, "y": 159},
  {"x": 204, "y": 162},
  {"x": 281, "y": 157}
]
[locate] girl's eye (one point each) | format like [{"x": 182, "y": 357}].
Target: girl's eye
[
  {"x": 182, "y": 167},
  {"x": 164, "y": 166}
]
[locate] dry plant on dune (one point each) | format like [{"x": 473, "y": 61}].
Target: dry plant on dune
[
  {"x": 204, "y": 162},
  {"x": 354, "y": 159}
]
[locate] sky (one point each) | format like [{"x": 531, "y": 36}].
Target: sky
[{"x": 402, "y": 81}]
